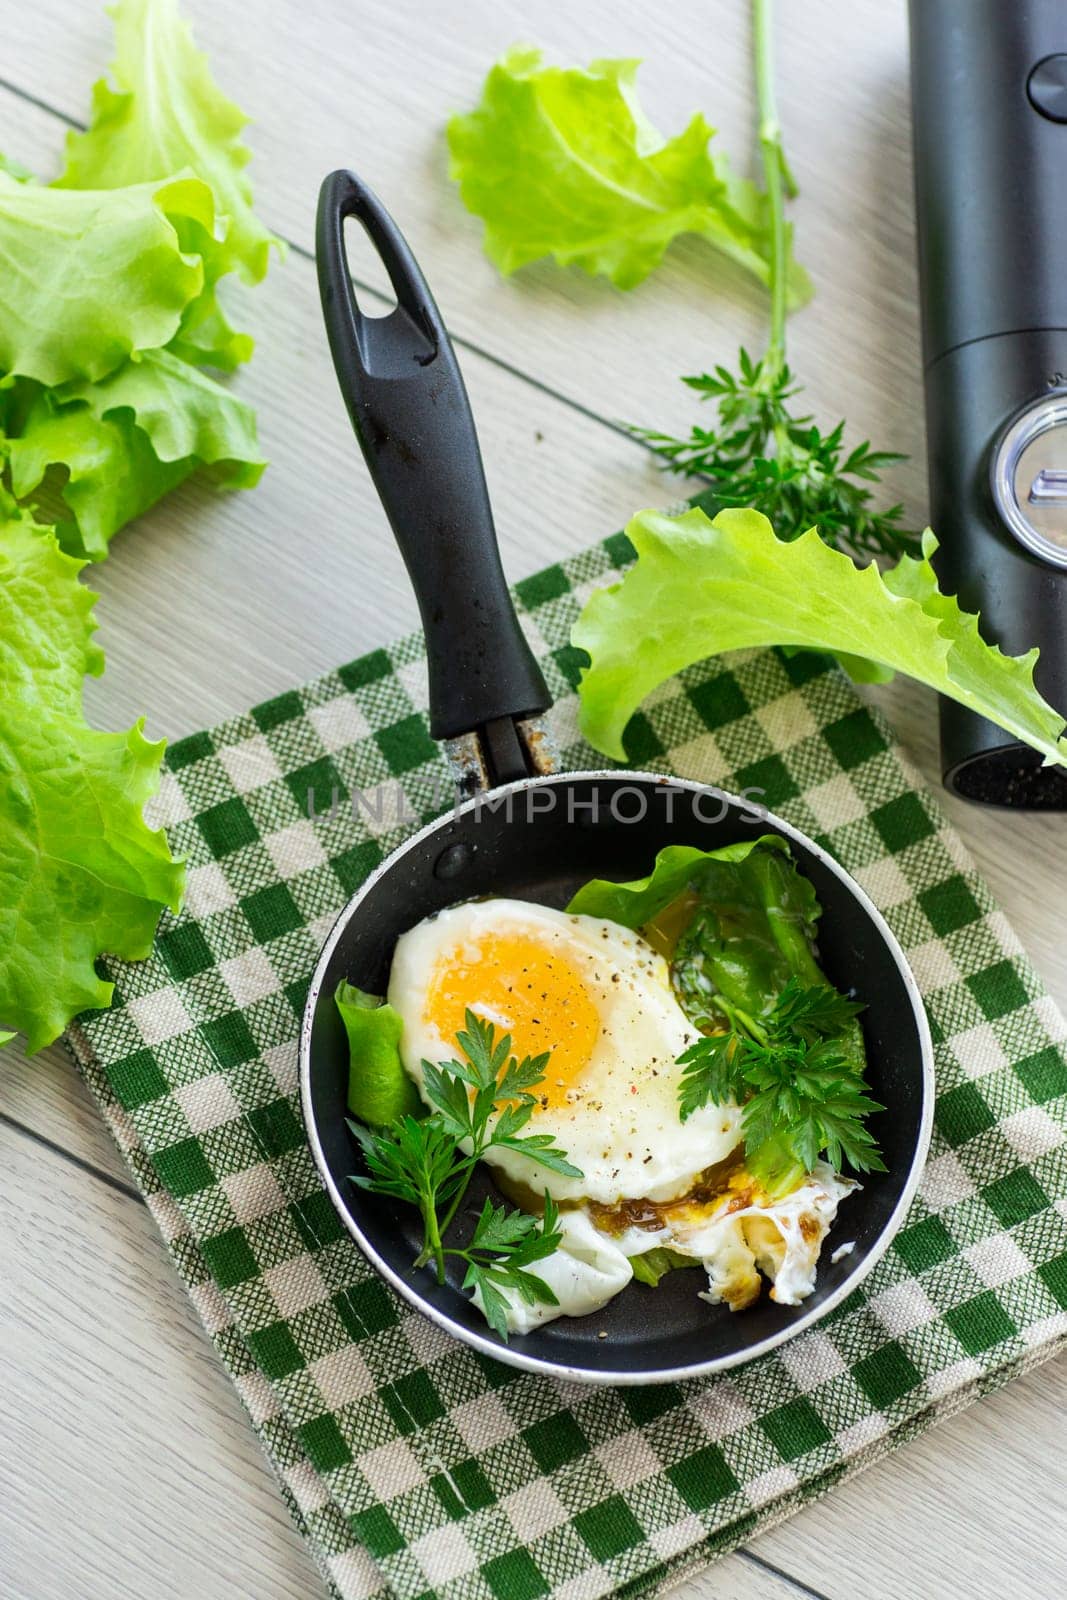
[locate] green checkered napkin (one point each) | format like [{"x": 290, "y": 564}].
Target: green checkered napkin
[{"x": 414, "y": 1466}]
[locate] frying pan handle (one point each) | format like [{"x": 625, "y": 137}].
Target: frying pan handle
[{"x": 402, "y": 386}]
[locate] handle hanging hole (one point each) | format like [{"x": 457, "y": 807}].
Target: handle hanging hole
[{"x": 377, "y": 297}]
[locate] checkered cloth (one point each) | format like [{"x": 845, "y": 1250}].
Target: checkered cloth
[{"x": 414, "y": 1466}]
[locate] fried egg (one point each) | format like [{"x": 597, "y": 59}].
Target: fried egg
[{"x": 599, "y": 998}]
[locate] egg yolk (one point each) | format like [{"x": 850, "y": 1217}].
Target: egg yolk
[{"x": 534, "y": 993}]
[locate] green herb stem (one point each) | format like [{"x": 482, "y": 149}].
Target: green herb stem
[
  {"x": 457, "y": 1199},
  {"x": 778, "y": 182},
  {"x": 432, "y": 1246},
  {"x": 764, "y": 452}
]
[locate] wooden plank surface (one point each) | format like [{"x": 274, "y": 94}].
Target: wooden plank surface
[
  {"x": 117, "y": 1406},
  {"x": 128, "y": 1461},
  {"x": 128, "y": 1467}
]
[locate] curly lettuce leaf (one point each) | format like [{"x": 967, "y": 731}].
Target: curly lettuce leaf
[
  {"x": 92, "y": 276},
  {"x": 129, "y": 440},
  {"x": 164, "y": 114},
  {"x": 21, "y": 174},
  {"x": 81, "y": 873},
  {"x": 379, "y": 1090},
  {"x": 207, "y": 338},
  {"x": 702, "y": 587},
  {"x": 106, "y": 474},
  {"x": 183, "y": 411},
  {"x": 564, "y": 163}
]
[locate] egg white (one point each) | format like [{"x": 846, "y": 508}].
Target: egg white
[
  {"x": 777, "y": 1240},
  {"x": 620, "y": 1122}
]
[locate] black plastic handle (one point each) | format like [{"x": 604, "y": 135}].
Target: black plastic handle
[{"x": 405, "y": 395}]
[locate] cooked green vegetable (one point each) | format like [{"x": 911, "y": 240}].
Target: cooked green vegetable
[
  {"x": 752, "y": 928},
  {"x": 564, "y": 163},
  {"x": 655, "y": 1264},
  {"x": 797, "y": 1079},
  {"x": 379, "y": 1090},
  {"x": 702, "y": 587},
  {"x": 778, "y": 1037},
  {"x": 483, "y": 1101},
  {"x": 80, "y": 872},
  {"x": 638, "y": 902},
  {"x": 752, "y": 931}
]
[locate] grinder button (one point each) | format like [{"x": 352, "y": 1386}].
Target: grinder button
[
  {"x": 1029, "y": 478},
  {"x": 1047, "y": 88}
]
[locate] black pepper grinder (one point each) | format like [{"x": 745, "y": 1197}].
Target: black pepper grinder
[{"x": 989, "y": 114}]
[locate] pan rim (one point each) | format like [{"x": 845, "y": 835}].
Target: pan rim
[{"x": 485, "y": 1343}]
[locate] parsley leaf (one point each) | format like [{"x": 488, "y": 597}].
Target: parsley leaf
[
  {"x": 492, "y": 1083},
  {"x": 764, "y": 454},
  {"x": 810, "y": 1094},
  {"x": 483, "y": 1100},
  {"x": 800, "y": 1086},
  {"x": 813, "y": 1012},
  {"x": 504, "y": 1245},
  {"x": 712, "y": 1073}
]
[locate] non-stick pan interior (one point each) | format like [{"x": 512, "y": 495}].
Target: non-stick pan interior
[{"x": 550, "y": 839}]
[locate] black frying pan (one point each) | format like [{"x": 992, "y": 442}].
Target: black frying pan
[{"x": 526, "y": 832}]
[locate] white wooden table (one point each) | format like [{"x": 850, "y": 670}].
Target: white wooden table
[{"x": 127, "y": 1470}]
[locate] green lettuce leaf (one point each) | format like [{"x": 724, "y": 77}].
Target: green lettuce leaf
[
  {"x": 702, "y": 587},
  {"x": 166, "y": 113},
  {"x": 21, "y": 174},
  {"x": 379, "y": 1090},
  {"x": 676, "y": 867},
  {"x": 564, "y": 163},
  {"x": 127, "y": 441},
  {"x": 106, "y": 473},
  {"x": 207, "y": 338},
  {"x": 92, "y": 276},
  {"x": 184, "y": 412},
  {"x": 81, "y": 873}
]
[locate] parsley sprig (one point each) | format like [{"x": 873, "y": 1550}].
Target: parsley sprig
[
  {"x": 480, "y": 1102},
  {"x": 764, "y": 452},
  {"x": 801, "y": 1095},
  {"x": 505, "y": 1244}
]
